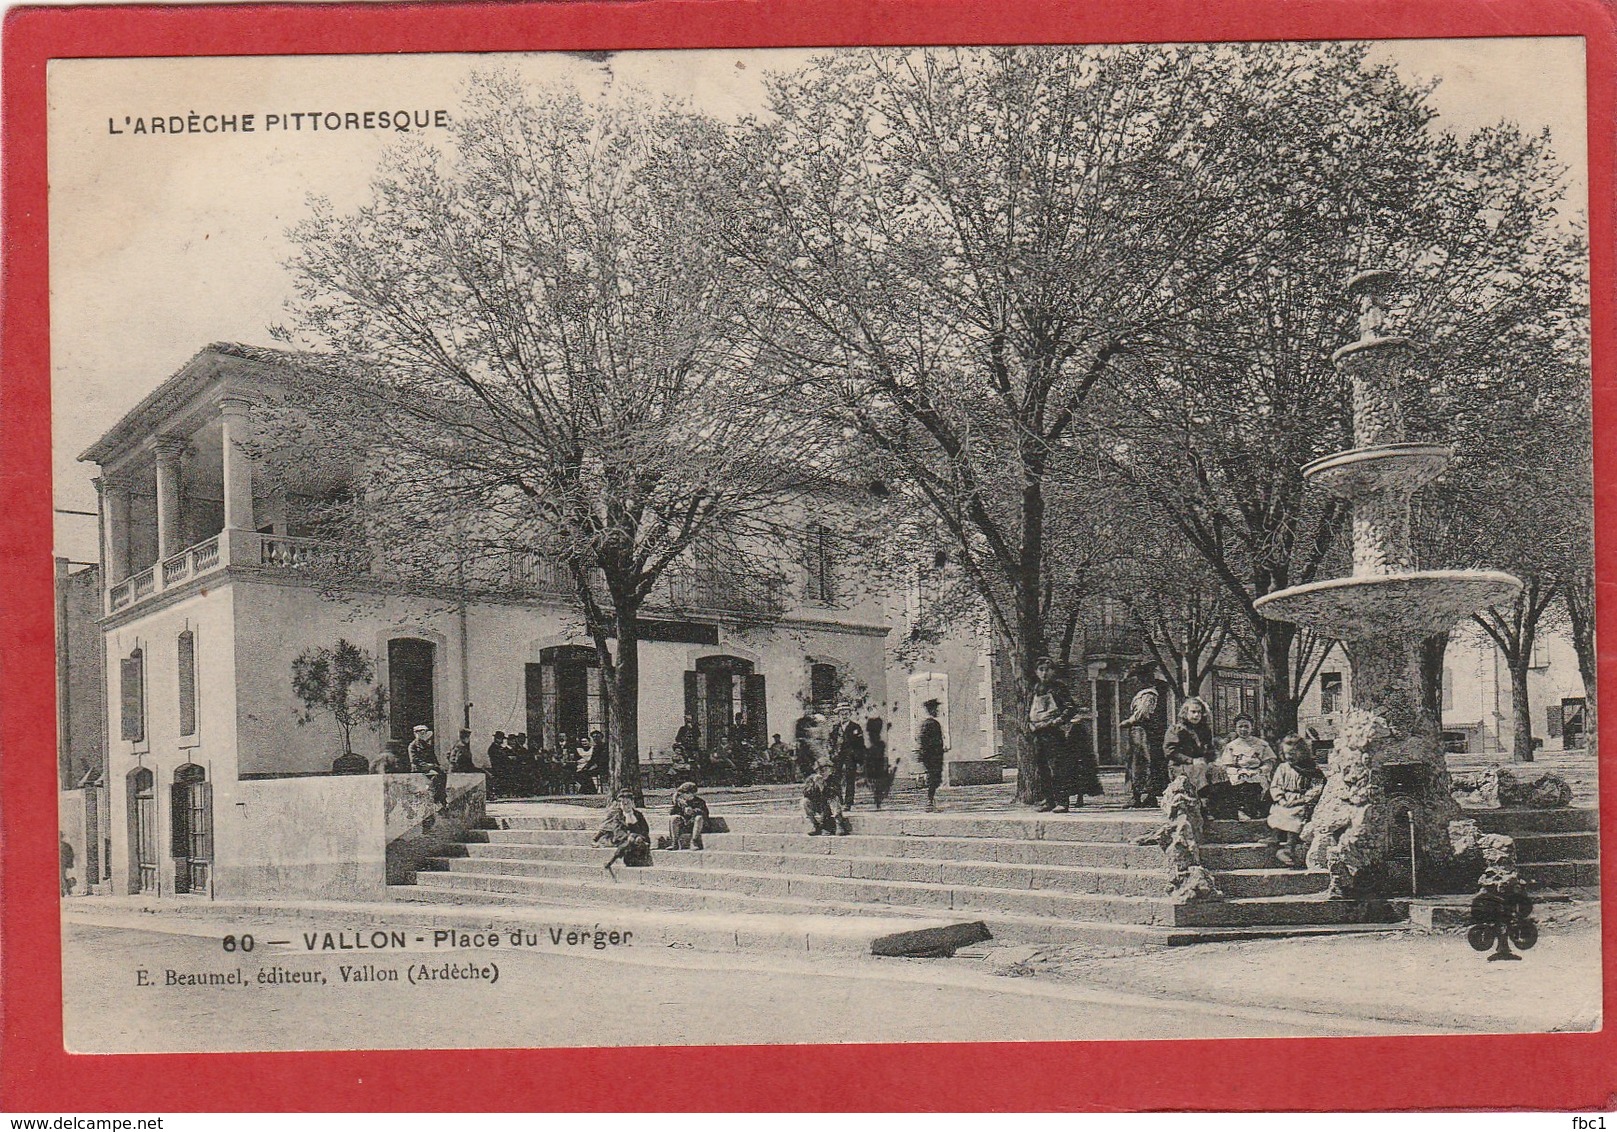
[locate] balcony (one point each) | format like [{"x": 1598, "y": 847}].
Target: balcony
[
  {"x": 238, "y": 549},
  {"x": 752, "y": 596},
  {"x": 1113, "y": 641}
]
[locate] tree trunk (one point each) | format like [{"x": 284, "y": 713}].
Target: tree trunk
[
  {"x": 1279, "y": 706},
  {"x": 623, "y": 739},
  {"x": 1027, "y": 656},
  {"x": 1521, "y": 707},
  {"x": 1579, "y": 597},
  {"x": 1432, "y": 650}
]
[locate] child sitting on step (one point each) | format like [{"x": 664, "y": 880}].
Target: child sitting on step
[{"x": 1295, "y": 788}]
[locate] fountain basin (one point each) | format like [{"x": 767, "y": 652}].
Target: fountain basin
[
  {"x": 1361, "y": 472},
  {"x": 1410, "y": 605}
]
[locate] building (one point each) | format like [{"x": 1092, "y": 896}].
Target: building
[
  {"x": 215, "y": 584},
  {"x": 81, "y": 737},
  {"x": 1478, "y": 704}
]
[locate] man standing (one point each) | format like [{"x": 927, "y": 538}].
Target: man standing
[
  {"x": 929, "y": 752},
  {"x": 424, "y": 760},
  {"x": 460, "y": 755},
  {"x": 499, "y": 776},
  {"x": 1147, "y": 768},
  {"x": 687, "y": 747}
]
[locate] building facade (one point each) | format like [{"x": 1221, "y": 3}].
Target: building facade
[
  {"x": 1478, "y": 714},
  {"x": 214, "y": 587}
]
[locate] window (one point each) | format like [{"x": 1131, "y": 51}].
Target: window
[
  {"x": 565, "y": 696},
  {"x": 821, "y": 573},
  {"x": 825, "y": 686},
  {"x": 132, "y": 696},
  {"x": 188, "y": 683},
  {"x": 1330, "y": 693}
]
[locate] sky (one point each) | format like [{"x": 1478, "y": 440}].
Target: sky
[{"x": 161, "y": 244}]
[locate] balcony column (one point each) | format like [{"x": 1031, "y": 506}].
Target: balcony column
[
  {"x": 238, "y": 466},
  {"x": 170, "y": 538},
  {"x": 115, "y": 525}
]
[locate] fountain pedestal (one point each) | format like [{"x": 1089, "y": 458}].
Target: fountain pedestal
[{"x": 1382, "y": 826}]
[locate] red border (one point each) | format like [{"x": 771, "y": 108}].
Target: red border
[{"x": 1528, "y": 1072}]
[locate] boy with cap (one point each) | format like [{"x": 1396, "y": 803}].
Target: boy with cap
[{"x": 687, "y": 818}]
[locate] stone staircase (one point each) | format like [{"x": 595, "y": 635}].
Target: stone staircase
[
  {"x": 1555, "y": 849},
  {"x": 1072, "y": 878},
  {"x": 1046, "y": 879}
]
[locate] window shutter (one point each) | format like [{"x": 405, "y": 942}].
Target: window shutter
[
  {"x": 202, "y": 822},
  {"x": 757, "y": 708},
  {"x": 188, "y": 683},
  {"x": 693, "y": 700},
  {"x": 132, "y": 696},
  {"x": 179, "y": 820},
  {"x": 1552, "y": 717}
]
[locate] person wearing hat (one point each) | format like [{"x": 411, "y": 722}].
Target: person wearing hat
[
  {"x": 424, "y": 760},
  {"x": 687, "y": 818},
  {"x": 1147, "y": 766},
  {"x": 460, "y": 755},
  {"x": 626, "y": 829},
  {"x": 822, "y": 803},
  {"x": 929, "y": 751},
  {"x": 499, "y": 776}
]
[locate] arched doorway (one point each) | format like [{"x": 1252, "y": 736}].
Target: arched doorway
[
  {"x": 191, "y": 828},
  {"x": 141, "y": 790},
  {"x": 727, "y": 698},
  {"x": 564, "y": 696},
  {"x": 409, "y": 687}
]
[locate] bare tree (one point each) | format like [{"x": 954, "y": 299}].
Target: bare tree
[
  {"x": 536, "y": 343},
  {"x": 1217, "y": 428},
  {"x": 953, "y": 248}
]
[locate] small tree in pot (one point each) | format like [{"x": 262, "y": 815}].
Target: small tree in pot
[{"x": 337, "y": 682}]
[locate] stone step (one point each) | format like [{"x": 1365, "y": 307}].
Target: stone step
[
  {"x": 1095, "y": 826},
  {"x": 1265, "y": 881},
  {"x": 670, "y": 887},
  {"x": 944, "y": 872},
  {"x": 1582, "y": 847},
  {"x": 1110, "y": 854},
  {"x": 1561, "y": 874},
  {"x": 1521, "y": 822},
  {"x": 1053, "y": 917},
  {"x": 711, "y": 929},
  {"x": 797, "y": 930}
]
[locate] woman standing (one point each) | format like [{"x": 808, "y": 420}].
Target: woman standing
[{"x": 1049, "y": 713}]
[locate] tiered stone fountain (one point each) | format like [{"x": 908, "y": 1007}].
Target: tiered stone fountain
[{"x": 1387, "y": 803}]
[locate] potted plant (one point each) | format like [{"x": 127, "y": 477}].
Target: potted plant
[{"x": 336, "y": 681}]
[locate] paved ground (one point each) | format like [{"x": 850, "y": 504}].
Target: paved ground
[
  {"x": 622, "y": 997},
  {"x": 1406, "y": 976},
  {"x": 1402, "y": 982}
]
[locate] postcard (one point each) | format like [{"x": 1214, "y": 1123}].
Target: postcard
[{"x": 694, "y": 545}]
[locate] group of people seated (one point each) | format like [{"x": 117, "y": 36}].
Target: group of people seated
[
  {"x": 518, "y": 769},
  {"x": 1246, "y": 780},
  {"x": 627, "y": 831},
  {"x": 732, "y": 758}
]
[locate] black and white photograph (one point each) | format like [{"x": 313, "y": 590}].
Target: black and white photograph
[{"x": 794, "y": 546}]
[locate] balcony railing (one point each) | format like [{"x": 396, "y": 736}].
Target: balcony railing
[
  {"x": 238, "y": 549},
  {"x": 724, "y": 591},
  {"x": 1113, "y": 640}
]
